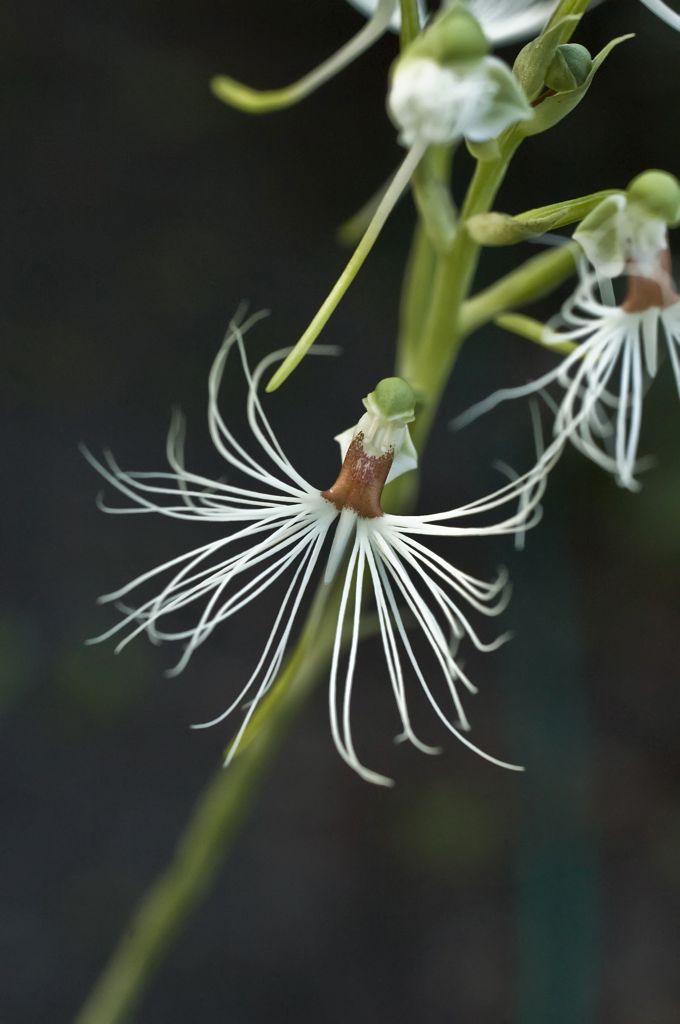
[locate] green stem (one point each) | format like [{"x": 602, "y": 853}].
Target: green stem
[
  {"x": 535, "y": 278},
  {"x": 432, "y": 196},
  {"x": 410, "y": 25},
  {"x": 416, "y": 295},
  {"x": 211, "y": 829},
  {"x": 533, "y": 330},
  {"x": 430, "y": 362}
]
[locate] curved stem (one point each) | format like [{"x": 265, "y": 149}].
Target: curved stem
[
  {"x": 213, "y": 826},
  {"x": 265, "y": 101},
  {"x": 534, "y": 279}
]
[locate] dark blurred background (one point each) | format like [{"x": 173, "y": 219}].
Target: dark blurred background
[{"x": 137, "y": 213}]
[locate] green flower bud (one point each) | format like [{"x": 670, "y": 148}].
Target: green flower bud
[
  {"x": 569, "y": 68},
  {"x": 658, "y": 193},
  {"x": 393, "y": 399},
  {"x": 453, "y": 37}
]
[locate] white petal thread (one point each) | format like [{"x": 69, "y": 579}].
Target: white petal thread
[{"x": 276, "y": 529}]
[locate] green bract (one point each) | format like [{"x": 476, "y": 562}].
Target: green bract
[
  {"x": 658, "y": 193},
  {"x": 534, "y": 60},
  {"x": 497, "y": 228},
  {"x": 551, "y": 110}
]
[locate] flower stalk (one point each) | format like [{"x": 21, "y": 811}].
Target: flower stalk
[{"x": 213, "y": 826}]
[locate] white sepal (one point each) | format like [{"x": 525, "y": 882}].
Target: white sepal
[
  {"x": 433, "y": 104},
  {"x": 378, "y": 439},
  {"x": 618, "y": 232}
]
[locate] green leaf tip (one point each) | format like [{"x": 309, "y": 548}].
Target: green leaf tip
[{"x": 253, "y": 101}]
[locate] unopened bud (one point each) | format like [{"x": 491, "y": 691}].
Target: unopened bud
[
  {"x": 393, "y": 399},
  {"x": 569, "y": 68}
]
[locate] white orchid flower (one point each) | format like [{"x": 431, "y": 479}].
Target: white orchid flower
[
  {"x": 275, "y": 527},
  {"x": 630, "y": 232},
  {"x": 431, "y": 103},
  {"x": 605, "y": 377}
]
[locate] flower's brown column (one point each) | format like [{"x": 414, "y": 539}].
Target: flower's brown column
[
  {"x": 361, "y": 481},
  {"x": 645, "y": 292}
]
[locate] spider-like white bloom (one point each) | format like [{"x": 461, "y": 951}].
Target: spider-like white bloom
[
  {"x": 605, "y": 377},
  {"x": 276, "y": 527}
]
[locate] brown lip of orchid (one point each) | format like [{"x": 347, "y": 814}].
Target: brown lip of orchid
[
  {"x": 646, "y": 291},
  {"x": 361, "y": 480}
]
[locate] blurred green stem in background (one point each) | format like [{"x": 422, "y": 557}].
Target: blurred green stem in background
[{"x": 558, "y": 940}]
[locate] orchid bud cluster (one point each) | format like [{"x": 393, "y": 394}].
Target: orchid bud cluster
[{"x": 272, "y": 525}]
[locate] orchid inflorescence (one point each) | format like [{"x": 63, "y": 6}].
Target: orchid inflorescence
[{"x": 273, "y": 526}]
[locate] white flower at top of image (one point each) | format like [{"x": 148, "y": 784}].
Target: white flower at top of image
[
  {"x": 274, "y": 527},
  {"x": 434, "y": 104},
  {"x": 605, "y": 377},
  {"x": 503, "y": 21},
  {"x": 445, "y": 86}
]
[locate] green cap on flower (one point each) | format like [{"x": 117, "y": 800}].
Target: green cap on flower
[
  {"x": 569, "y": 67},
  {"x": 393, "y": 399},
  {"x": 658, "y": 193},
  {"x": 453, "y": 37},
  {"x": 390, "y": 407}
]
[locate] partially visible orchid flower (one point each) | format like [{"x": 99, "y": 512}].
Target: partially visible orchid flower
[
  {"x": 508, "y": 21},
  {"x": 276, "y": 527},
  {"x": 630, "y": 232},
  {"x": 617, "y": 348},
  {"x": 503, "y": 21}
]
